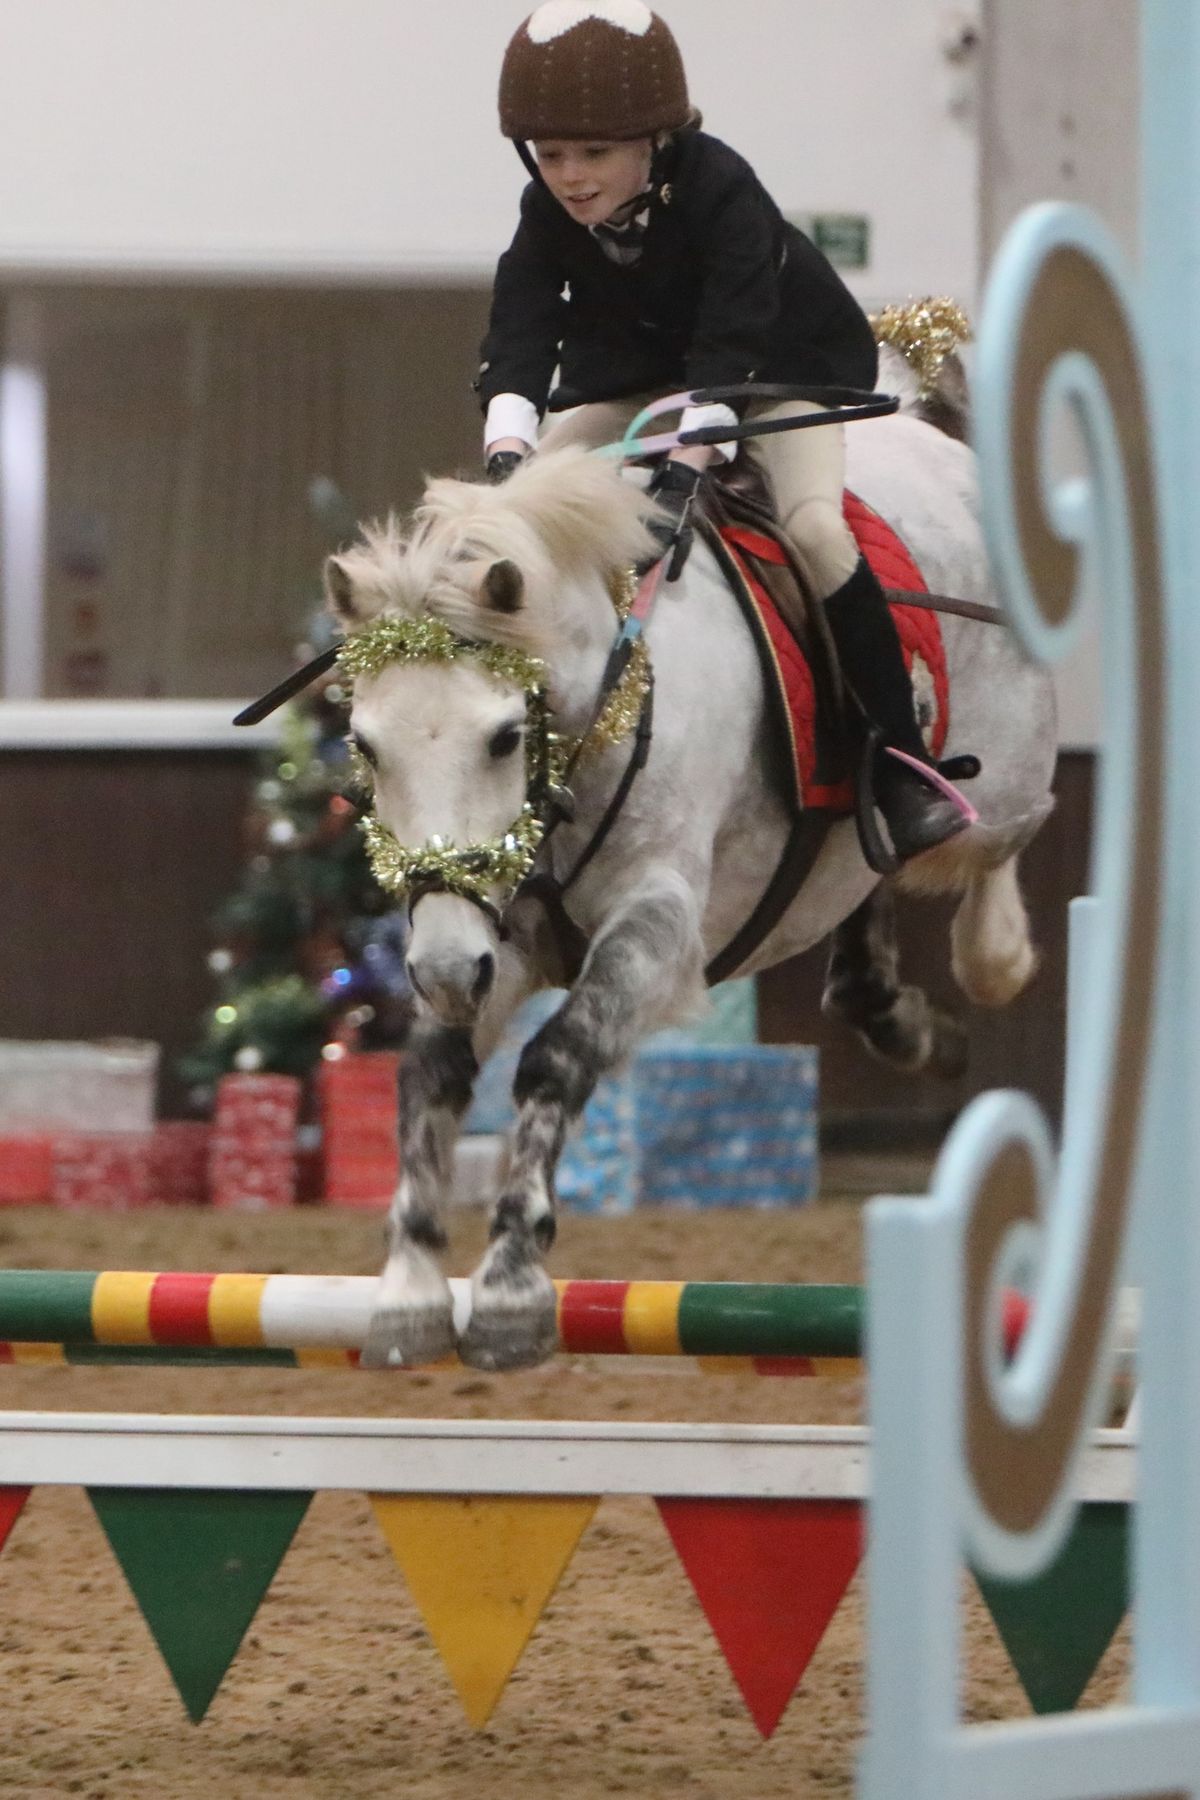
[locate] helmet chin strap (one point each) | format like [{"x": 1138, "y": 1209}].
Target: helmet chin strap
[{"x": 530, "y": 160}]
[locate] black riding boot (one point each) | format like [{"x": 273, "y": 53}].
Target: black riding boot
[{"x": 918, "y": 817}]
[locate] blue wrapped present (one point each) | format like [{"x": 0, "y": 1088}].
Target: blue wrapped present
[
  {"x": 491, "y": 1108},
  {"x": 597, "y": 1170},
  {"x": 727, "y": 1126},
  {"x": 693, "y": 1124},
  {"x": 732, "y": 1018}
]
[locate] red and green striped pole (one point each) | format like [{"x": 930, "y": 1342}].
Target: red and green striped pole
[
  {"x": 314, "y": 1320},
  {"x": 307, "y": 1318}
]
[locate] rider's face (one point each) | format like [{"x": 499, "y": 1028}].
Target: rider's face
[{"x": 592, "y": 179}]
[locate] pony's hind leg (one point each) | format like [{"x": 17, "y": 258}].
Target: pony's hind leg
[
  {"x": 413, "y": 1318},
  {"x": 897, "y": 1023},
  {"x": 992, "y": 954},
  {"x": 644, "y": 964}
]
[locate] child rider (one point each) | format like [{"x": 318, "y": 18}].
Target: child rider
[{"x": 649, "y": 258}]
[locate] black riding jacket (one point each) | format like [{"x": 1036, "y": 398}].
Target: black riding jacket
[{"x": 726, "y": 290}]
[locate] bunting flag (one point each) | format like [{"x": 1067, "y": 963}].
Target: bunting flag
[
  {"x": 481, "y": 1568},
  {"x": 1058, "y": 1626},
  {"x": 770, "y": 1574},
  {"x": 12, "y": 1500},
  {"x": 198, "y": 1562}
]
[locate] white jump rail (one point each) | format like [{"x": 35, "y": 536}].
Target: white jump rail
[{"x": 452, "y": 1456}]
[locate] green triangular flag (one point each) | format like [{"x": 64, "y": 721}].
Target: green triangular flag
[
  {"x": 1058, "y": 1626},
  {"x": 198, "y": 1561}
]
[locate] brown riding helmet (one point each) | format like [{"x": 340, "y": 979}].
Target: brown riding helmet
[{"x": 600, "y": 69}]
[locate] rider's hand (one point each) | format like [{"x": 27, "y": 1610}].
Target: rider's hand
[
  {"x": 501, "y": 463},
  {"x": 673, "y": 485}
]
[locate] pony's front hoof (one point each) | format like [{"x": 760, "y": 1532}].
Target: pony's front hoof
[
  {"x": 408, "y": 1337},
  {"x": 512, "y": 1328}
]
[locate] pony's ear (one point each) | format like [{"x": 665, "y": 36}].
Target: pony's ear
[
  {"x": 347, "y": 604},
  {"x": 504, "y": 587}
]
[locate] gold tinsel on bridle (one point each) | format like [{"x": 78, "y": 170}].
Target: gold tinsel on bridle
[
  {"x": 925, "y": 332},
  {"x": 475, "y": 870}
]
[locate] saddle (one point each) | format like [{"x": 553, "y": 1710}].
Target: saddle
[{"x": 816, "y": 726}]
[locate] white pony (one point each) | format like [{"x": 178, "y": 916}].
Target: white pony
[{"x": 527, "y": 566}]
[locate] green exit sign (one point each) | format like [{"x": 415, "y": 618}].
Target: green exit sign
[{"x": 844, "y": 237}]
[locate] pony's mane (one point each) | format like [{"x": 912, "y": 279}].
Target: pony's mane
[{"x": 565, "y": 517}]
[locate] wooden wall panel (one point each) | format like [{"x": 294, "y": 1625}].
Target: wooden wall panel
[
  {"x": 114, "y": 862},
  {"x": 112, "y": 865},
  {"x": 1021, "y": 1045}
]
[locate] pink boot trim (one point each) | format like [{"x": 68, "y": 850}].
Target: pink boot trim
[{"x": 938, "y": 781}]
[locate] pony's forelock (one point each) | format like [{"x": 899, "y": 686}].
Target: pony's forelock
[{"x": 561, "y": 517}]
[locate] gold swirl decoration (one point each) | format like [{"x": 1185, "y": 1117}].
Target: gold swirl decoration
[{"x": 1018, "y": 1464}]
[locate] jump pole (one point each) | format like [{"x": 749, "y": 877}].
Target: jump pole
[{"x": 304, "y": 1320}]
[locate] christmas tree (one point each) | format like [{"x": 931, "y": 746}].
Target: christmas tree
[{"x": 309, "y": 953}]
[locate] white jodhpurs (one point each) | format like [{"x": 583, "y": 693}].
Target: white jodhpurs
[{"x": 807, "y": 470}]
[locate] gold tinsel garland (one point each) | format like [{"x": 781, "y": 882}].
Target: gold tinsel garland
[
  {"x": 395, "y": 638},
  {"x": 925, "y": 332},
  {"x": 471, "y": 871},
  {"x": 475, "y": 869}
]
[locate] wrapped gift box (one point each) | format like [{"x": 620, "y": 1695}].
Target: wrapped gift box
[
  {"x": 491, "y": 1109},
  {"x": 731, "y": 1018},
  {"x": 26, "y": 1169},
  {"x": 725, "y": 1126},
  {"x": 101, "y": 1171},
  {"x": 252, "y": 1160},
  {"x": 107, "y": 1085},
  {"x": 179, "y": 1159},
  {"x": 597, "y": 1172},
  {"x": 360, "y": 1128}
]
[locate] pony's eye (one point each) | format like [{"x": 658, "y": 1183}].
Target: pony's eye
[
  {"x": 504, "y": 742},
  {"x": 364, "y": 749}
]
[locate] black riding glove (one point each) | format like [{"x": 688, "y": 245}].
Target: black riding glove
[
  {"x": 501, "y": 464},
  {"x": 673, "y": 485}
]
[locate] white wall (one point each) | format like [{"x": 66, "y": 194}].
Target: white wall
[
  {"x": 1060, "y": 118},
  {"x": 357, "y": 138}
]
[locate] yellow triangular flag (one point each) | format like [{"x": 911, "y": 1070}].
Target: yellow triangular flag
[{"x": 481, "y": 1567}]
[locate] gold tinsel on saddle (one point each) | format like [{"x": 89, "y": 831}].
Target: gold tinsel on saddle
[{"x": 925, "y": 332}]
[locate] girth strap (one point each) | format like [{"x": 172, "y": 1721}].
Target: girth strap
[{"x": 805, "y": 839}]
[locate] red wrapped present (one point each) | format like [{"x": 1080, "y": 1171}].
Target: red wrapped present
[
  {"x": 252, "y": 1150},
  {"x": 26, "y": 1169},
  {"x": 101, "y": 1171},
  {"x": 310, "y": 1166},
  {"x": 179, "y": 1153},
  {"x": 360, "y": 1122}
]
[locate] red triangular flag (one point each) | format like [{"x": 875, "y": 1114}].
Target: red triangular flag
[
  {"x": 770, "y": 1574},
  {"x": 12, "y": 1499}
]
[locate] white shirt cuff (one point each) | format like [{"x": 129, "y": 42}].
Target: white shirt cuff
[
  {"x": 510, "y": 415},
  {"x": 696, "y": 418}
]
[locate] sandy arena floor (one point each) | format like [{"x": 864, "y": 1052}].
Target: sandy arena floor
[{"x": 337, "y": 1693}]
